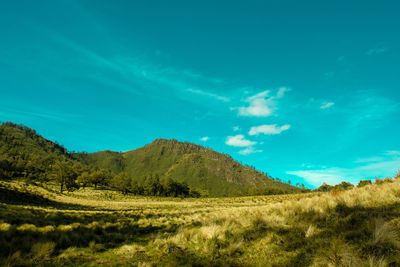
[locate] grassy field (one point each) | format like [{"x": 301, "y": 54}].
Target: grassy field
[{"x": 40, "y": 226}]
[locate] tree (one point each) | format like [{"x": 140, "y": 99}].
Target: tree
[
  {"x": 152, "y": 186},
  {"x": 324, "y": 188},
  {"x": 136, "y": 188},
  {"x": 121, "y": 182},
  {"x": 364, "y": 183},
  {"x": 84, "y": 179},
  {"x": 176, "y": 189},
  {"x": 100, "y": 177},
  {"x": 343, "y": 186},
  {"x": 195, "y": 192},
  {"x": 65, "y": 175}
]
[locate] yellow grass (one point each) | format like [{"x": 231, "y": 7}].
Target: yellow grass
[{"x": 259, "y": 231}]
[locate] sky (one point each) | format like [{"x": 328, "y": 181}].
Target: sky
[{"x": 307, "y": 91}]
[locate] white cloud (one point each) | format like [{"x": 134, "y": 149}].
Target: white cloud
[
  {"x": 268, "y": 129},
  {"x": 239, "y": 141},
  {"x": 204, "y": 139},
  {"x": 236, "y": 128},
  {"x": 326, "y": 105},
  {"x": 249, "y": 150},
  {"x": 259, "y": 106},
  {"x": 201, "y": 92}
]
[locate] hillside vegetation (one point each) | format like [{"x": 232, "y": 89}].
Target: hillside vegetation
[
  {"x": 87, "y": 227},
  {"x": 212, "y": 172},
  {"x": 24, "y": 153},
  {"x": 162, "y": 168}
]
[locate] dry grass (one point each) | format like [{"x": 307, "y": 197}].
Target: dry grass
[{"x": 358, "y": 227}]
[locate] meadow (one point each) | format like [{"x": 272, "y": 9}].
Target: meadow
[{"x": 88, "y": 227}]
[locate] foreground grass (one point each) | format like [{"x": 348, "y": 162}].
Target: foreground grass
[{"x": 39, "y": 226}]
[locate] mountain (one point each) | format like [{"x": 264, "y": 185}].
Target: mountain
[
  {"x": 25, "y": 154},
  {"x": 200, "y": 167}
]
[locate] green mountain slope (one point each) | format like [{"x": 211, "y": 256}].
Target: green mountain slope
[
  {"x": 24, "y": 153},
  {"x": 213, "y": 172}
]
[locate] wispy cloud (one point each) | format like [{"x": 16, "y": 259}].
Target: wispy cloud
[
  {"x": 249, "y": 150},
  {"x": 239, "y": 141},
  {"x": 392, "y": 153},
  {"x": 236, "y": 128},
  {"x": 201, "y": 92},
  {"x": 282, "y": 91},
  {"x": 368, "y": 106},
  {"x": 367, "y": 160},
  {"x": 20, "y": 114},
  {"x": 317, "y": 177},
  {"x": 137, "y": 74},
  {"x": 326, "y": 105},
  {"x": 378, "y": 50},
  {"x": 369, "y": 169},
  {"x": 268, "y": 129}
]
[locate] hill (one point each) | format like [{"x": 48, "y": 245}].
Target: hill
[
  {"x": 25, "y": 154},
  {"x": 200, "y": 167}
]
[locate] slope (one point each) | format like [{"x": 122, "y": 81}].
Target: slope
[
  {"x": 213, "y": 172},
  {"x": 24, "y": 153}
]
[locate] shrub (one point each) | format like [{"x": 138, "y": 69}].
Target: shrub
[
  {"x": 338, "y": 253},
  {"x": 324, "y": 188},
  {"x": 363, "y": 183},
  {"x": 42, "y": 251}
]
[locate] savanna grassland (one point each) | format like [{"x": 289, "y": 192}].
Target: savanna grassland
[{"x": 41, "y": 226}]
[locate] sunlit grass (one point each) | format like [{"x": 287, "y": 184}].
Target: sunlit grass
[{"x": 359, "y": 227}]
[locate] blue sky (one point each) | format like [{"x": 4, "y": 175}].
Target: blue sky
[{"x": 304, "y": 90}]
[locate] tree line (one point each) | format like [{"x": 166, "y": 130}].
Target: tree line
[
  {"x": 346, "y": 185},
  {"x": 76, "y": 175}
]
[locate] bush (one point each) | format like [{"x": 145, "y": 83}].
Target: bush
[{"x": 363, "y": 183}]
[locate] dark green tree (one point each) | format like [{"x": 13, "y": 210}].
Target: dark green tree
[
  {"x": 121, "y": 182},
  {"x": 152, "y": 186},
  {"x": 343, "y": 186},
  {"x": 364, "y": 183},
  {"x": 84, "y": 179},
  {"x": 324, "y": 188},
  {"x": 65, "y": 175},
  {"x": 100, "y": 177}
]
